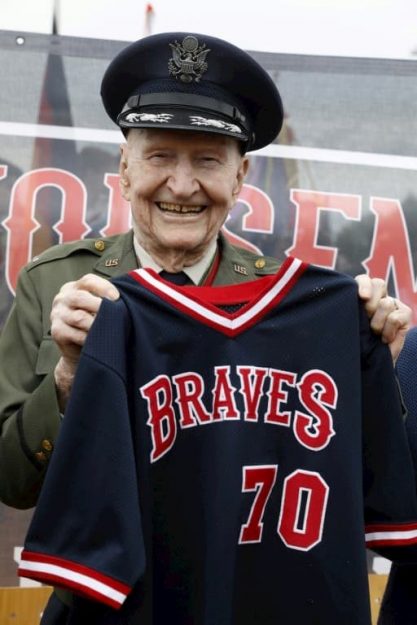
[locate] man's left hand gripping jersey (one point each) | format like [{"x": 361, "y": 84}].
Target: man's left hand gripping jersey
[{"x": 210, "y": 462}]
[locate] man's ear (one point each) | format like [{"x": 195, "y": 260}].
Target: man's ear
[
  {"x": 241, "y": 175},
  {"x": 124, "y": 182}
]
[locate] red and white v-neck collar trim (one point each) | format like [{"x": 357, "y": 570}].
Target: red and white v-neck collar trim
[{"x": 259, "y": 296}]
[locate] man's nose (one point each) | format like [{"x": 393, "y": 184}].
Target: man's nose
[{"x": 182, "y": 181}]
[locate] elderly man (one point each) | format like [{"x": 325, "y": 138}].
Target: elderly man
[{"x": 190, "y": 107}]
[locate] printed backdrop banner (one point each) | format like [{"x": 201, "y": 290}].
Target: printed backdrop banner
[{"x": 339, "y": 187}]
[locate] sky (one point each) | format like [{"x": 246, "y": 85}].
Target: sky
[{"x": 364, "y": 28}]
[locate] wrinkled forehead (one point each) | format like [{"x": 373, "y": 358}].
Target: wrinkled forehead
[{"x": 181, "y": 140}]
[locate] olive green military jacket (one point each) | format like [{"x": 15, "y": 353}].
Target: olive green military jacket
[{"x": 29, "y": 412}]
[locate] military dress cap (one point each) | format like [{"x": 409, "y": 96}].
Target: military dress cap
[{"x": 189, "y": 81}]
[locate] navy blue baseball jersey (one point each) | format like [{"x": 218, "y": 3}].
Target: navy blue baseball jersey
[{"x": 226, "y": 456}]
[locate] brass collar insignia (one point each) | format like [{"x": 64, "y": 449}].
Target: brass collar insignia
[{"x": 240, "y": 269}]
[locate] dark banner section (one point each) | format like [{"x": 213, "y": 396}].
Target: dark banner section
[{"x": 338, "y": 188}]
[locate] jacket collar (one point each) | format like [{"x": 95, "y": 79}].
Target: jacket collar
[
  {"x": 118, "y": 257},
  {"x": 238, "y": 265}
]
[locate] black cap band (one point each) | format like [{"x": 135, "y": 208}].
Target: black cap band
[{"x": 187, "y": 100}]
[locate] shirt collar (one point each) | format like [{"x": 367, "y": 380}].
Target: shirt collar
[{"x": 194, "y": 272}]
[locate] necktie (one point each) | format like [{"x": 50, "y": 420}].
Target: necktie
[{"x": 180, "y": 278}]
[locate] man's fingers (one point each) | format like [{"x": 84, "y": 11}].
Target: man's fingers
[
  {"x": 74, "y": 309},
  {"x": 384, "y": 312},
  {"x": 77, "y": 298},
  {"x": 74, "y": 317},
  {"x": 70, "y": 340},
  {"x": 97, "y": 286},
  {"x": 395, "y": 327},
  {"x": 364, "y": 285},
  {"x": 371, "y": 290},
  {"x": 391, "y": 316}
]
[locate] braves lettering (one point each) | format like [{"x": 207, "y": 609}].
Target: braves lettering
[
  {"x": 237, "y": 395},
  {"x": 161, "y": 415},
  {"x": 306, "y": 430}
]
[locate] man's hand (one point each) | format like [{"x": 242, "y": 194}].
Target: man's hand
[
  {"x": 388, "y": 316},
  {"x": 72, "y": 314}
]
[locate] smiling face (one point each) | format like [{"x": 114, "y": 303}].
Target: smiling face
[{"x": 181, "y": 186}]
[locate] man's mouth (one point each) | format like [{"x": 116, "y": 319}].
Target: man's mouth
[{"x": 169, "y": 207}]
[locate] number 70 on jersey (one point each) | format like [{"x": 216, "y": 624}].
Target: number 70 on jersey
[{"x": 302, "y": 511}]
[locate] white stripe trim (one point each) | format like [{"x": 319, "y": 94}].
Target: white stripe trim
[
  {"x": 69, "y": 133},
  {"x": 394, "y": 535},
  {"x": 89, "y": 583},
  {"x": 345, "y": 157},
  {"x": 98, "y": 135},
  {"x": 225, "y": 322}
]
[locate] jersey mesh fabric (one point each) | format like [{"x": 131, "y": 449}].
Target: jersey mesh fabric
[{"x": 161, "y": 501}]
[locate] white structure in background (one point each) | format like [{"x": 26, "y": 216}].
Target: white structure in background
[{"x": 369, "y": 28}]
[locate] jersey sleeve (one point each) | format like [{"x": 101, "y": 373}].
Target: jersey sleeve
[
  {"x": 388, "y": 474},
  {"x": 86, "y": 532}
]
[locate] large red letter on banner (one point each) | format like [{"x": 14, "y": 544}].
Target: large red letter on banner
[
  {"x": 390, "y": 251},
  {"x": 119, "y": 216},
  {"x": 259, "y": 218},
  {"x": 21, "y": 223},
  {"x": 308, "y": 205}
]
